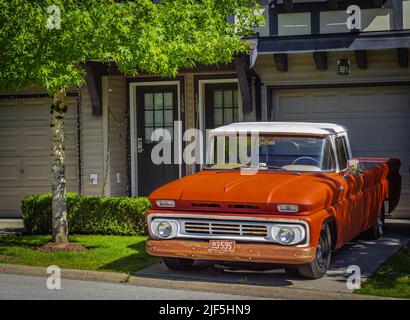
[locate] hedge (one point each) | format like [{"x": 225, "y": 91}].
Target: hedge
[{"x": 88, "y": 215}]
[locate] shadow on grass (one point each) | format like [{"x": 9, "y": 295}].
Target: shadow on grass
[
  {"x": 22, "y": 241},
  {"x": 133, "y": 262}
]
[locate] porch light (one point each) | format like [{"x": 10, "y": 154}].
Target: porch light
[{"x": 343, "y": 67}]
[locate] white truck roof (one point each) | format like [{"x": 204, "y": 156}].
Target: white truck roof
[{"x": 309, "y": 128}]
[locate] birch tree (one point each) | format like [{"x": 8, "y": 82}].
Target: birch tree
[{"x": 45, "y": 43}]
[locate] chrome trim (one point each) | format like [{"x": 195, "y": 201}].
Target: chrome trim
[{"x": 234, "y": 220}]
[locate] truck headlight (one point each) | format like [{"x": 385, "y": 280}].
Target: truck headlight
[
  {"x": 288, "y": 234},
  {"x": 164, "y": 229}
]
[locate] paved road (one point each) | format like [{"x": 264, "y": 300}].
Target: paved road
[
  {"x": 30, "y": 287},
  {"x": 368, "y": 255}
]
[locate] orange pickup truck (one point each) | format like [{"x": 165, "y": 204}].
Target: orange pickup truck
[{"x": 303, "y": 197}]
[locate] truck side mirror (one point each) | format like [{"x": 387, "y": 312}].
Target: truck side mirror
[{"x": 353, "y": 167}]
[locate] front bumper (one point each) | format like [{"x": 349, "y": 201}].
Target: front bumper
[{"x": 251, "y": 252}]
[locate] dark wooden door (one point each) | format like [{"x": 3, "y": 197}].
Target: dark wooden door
[
  {"x": 157, "y": 108},
  {"x": 221, "y": 104}
]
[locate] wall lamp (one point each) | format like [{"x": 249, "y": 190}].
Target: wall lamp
[{"x": 343, "y": 67}]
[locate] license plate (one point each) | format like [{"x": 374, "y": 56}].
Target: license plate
[{"x": 221, "y": 246}]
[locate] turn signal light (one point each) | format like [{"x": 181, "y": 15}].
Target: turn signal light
[{"x": 288, "y": 208}]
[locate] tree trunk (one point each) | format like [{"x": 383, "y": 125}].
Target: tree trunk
[{"x": 58, "y": 179}]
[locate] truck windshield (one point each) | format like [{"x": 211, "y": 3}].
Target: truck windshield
[{"x": 267, "y": 152}]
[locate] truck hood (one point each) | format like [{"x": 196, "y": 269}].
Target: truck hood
[{"x": 229, "y": 190}]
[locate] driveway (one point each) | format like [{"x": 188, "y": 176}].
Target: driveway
[
  {"x": 368, "y": 255},
  {"x": 11, "y": 226}
]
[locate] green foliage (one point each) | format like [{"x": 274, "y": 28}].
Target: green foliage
[
  {"x": 392, "y": 278},
  {"x": 139, "y": 36},
  {"x": 88, "y": 215}
]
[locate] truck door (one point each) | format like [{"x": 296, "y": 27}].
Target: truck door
[{"x": 351, "y": 203}]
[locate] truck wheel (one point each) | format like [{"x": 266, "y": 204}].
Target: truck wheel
[
  {"x": 318, "y": 267},
  {"x": 179, "y": 263},
  {"x": 376, "y": 231}
]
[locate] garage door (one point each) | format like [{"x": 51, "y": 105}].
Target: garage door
[
  {"x": 25, "y": 165},
  {"x": 378, "y": 119}
]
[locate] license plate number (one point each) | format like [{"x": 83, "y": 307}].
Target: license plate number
[{"x": 221, "y": 246}]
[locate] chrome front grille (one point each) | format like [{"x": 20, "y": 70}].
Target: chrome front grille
[
  {"x": 223, "y": 228},
  {"x": 226, "y": 228}
]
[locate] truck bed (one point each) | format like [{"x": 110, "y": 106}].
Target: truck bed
[{"x": 386, "y": 170}]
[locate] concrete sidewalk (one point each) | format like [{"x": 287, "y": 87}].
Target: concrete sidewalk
[
  {"x": 368, "y": 255},
  {"x": 11, "y": 226}
]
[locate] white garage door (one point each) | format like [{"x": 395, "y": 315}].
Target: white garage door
[
  {"x": 378, "y": 119},
  {"x": 25, "y": 165}
]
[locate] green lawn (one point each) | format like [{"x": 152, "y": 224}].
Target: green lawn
[
  {"x": 392, "y": 279},
  {"x": 106, "y": 253}
]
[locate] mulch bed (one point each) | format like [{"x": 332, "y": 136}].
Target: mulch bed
[{"x": 62, "y": 247}]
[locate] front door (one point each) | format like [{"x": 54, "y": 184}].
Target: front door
[{"x": 156, "y": 109}]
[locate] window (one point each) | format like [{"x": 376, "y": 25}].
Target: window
[
  {"x": 290, "y": 24},
  {"x": 158, "y": 113},
  {"x": 342, "y": 154},
  {"x": 272, "y": 153},
  {"x": 225, "y": 107}
]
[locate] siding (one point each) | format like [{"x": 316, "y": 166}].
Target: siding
[
  {"x": 382, "y": 66},
  {"x": 115, "y": 125},
  {"x": 92, "y": 157}
]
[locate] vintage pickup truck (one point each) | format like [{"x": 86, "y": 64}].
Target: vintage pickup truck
[{"x": 307, "y": 197}]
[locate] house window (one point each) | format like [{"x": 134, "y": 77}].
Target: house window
[
  {"x": 221, "y": 104},
  {"x": 290, "y": 24},
  {"x": 225, "y": 107}
]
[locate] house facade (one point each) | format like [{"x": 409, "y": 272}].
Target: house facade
[{"x": 308, "y": 63}]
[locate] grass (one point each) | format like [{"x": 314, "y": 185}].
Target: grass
[
  {"x": 106, "y": 253},
  {"x": 392, "y": 279}
]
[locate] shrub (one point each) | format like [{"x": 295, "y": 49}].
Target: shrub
[{"x": 88, "y": 215}]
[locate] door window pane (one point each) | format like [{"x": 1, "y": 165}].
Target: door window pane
[
  {"x": 218, "y": 117},
  {"x": 148, "y": 132},
  {"x": 168, "y": 117},
  {"x": 218, "y": 99},
  {"x": 228, "y": 116},
  {"x": 149, "y": 118},
  {"x": 235, "y": 115},
  {"x": 228, "y": 99},
  {"x": 158, "y": 101},
  {"x": 148, "y": 101},
  {"x": 159, "y": 121},
  {"x": 168, "y": 100}
]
